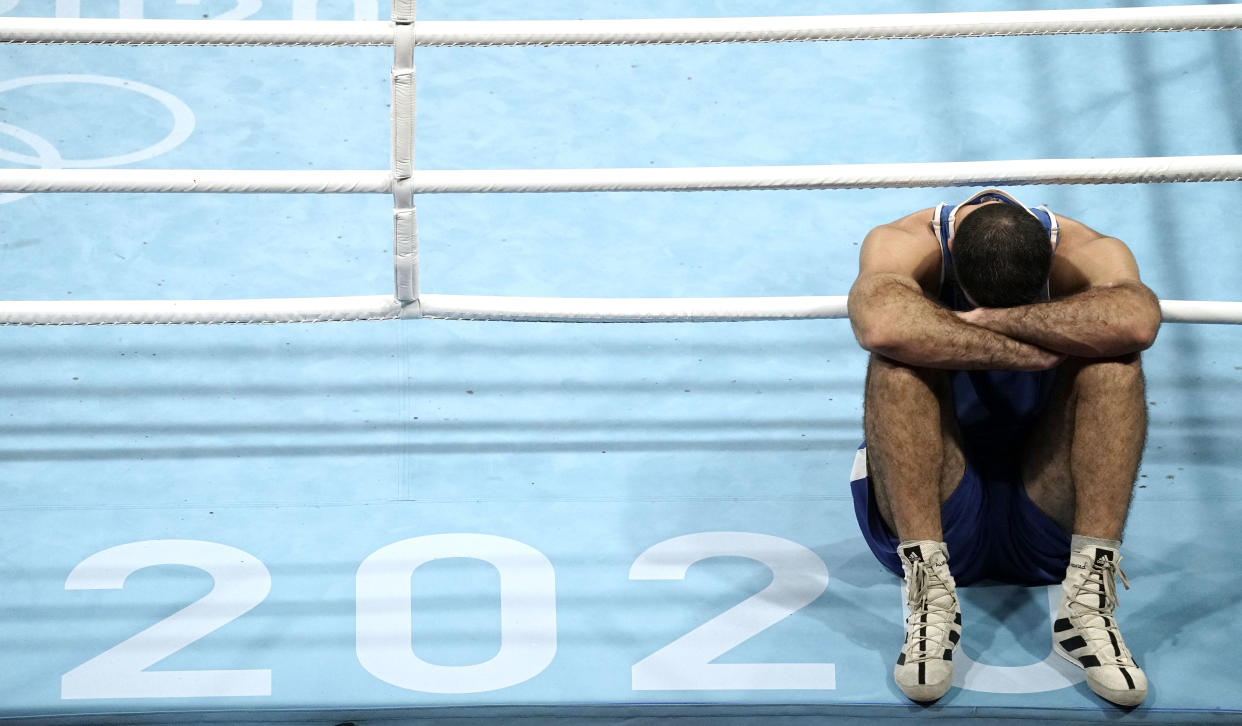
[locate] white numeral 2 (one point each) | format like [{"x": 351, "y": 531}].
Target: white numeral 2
[
  {"x": 241, "y": 582},
  {"x": 799, "y": 576}
]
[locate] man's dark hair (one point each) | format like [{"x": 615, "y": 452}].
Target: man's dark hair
[{"x": 1001, "y": 256}]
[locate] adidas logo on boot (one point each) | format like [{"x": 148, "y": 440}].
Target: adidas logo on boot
[
  {"x": 924, "y": 670},
  {"x": 1085, "y": 631}
]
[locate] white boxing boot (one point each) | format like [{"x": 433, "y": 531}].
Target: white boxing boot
[
  {"x": 1085, "y": 631},
  {"x": 924, "y": 670}
]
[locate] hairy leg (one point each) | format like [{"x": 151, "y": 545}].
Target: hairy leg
[
  {"x": 1080, "y": 464},
  {"x": 914, "y": 454}
]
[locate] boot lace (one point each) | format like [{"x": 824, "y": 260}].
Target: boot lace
[{"x": 929, "y": 622}]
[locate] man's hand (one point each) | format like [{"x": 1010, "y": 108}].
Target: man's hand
[
  {"x": 893, "y": 318},
  {"x": 1104, "y": 321},
  {"x": 991, "y": 319},
  {"x": 974, "y": 317}
]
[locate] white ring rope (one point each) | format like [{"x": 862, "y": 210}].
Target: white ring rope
[
  {"x": 630, "y": 310},
  {"x": 484, "y": 307},
  {"x": 714, "y": 309},
  {"x": 831, "y": 28},
  {"x": 1142, "y": 170},
  {"x": 626, "y": 32},
  {"x": 1201, "y": 311},
  {"x": 196, "y": 180},
  {"x": 182, "y": 312},
  {"x": 839, "y": 176},
  {"x": 719, "y": 309}
]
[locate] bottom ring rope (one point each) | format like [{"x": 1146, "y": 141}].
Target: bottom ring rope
[
  {"x": 200, "y": 312},
  {"x": 484, "y": 307},
  {"x": 630, "y": 310}
]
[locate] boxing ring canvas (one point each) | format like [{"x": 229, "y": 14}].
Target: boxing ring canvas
[{"x": 401, "y": 519}]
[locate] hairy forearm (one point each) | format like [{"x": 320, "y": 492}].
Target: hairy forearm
[
  {"x": 893, "y": 318},
  {"x": 1098, "y": 323}
]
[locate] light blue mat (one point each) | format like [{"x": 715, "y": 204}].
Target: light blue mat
[{"x": 292, "y": 459}]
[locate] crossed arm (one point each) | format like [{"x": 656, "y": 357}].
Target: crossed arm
[{"x": 1102, "y": 309}]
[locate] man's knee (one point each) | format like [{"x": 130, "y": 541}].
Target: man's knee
[
  {"x": 888, "y": 374},
  {"x": 901, "y": 393},
  {"x": 1106, "y": 376}
]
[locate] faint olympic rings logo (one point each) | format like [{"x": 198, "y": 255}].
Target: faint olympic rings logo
[{"x": 47, "y": 156}]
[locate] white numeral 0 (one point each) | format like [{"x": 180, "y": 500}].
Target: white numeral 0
[
  {"x": 241, "y": 582},
  {"x": 1050, "y": 674},
  {"x": 527, "y": 614},
  {"x": 799, "y": 576}
]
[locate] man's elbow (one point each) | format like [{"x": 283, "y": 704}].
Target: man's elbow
[
  {"x": 1143, "y": 331},
  {"x": 1146, "y": 324},
  {"x": 871, "y": 330},
  {"x": 1137, "y": 329},
  {"x": 879, "y": 307},
  {"x": 876, "y": 344},
  {"x": 879, "y": 340}
]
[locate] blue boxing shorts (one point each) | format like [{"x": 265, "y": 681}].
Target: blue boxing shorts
[{"x": 992, "y": 528}]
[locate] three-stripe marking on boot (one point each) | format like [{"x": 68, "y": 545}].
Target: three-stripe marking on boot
[
  {"x": 923, "y": 648},
  {"x": 1129, "y": 680},
  {"x": 1089, "y": 661},
  {"x": 1116, "y": 647}
]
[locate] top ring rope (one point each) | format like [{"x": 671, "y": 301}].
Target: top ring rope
[
  {"x": 830, "y": 28},
  {"x": 1139, "y": 170},
  {"x": 626, "y": 32}
]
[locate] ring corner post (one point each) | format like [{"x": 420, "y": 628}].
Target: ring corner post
[{"x": 405, "y": 220}]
